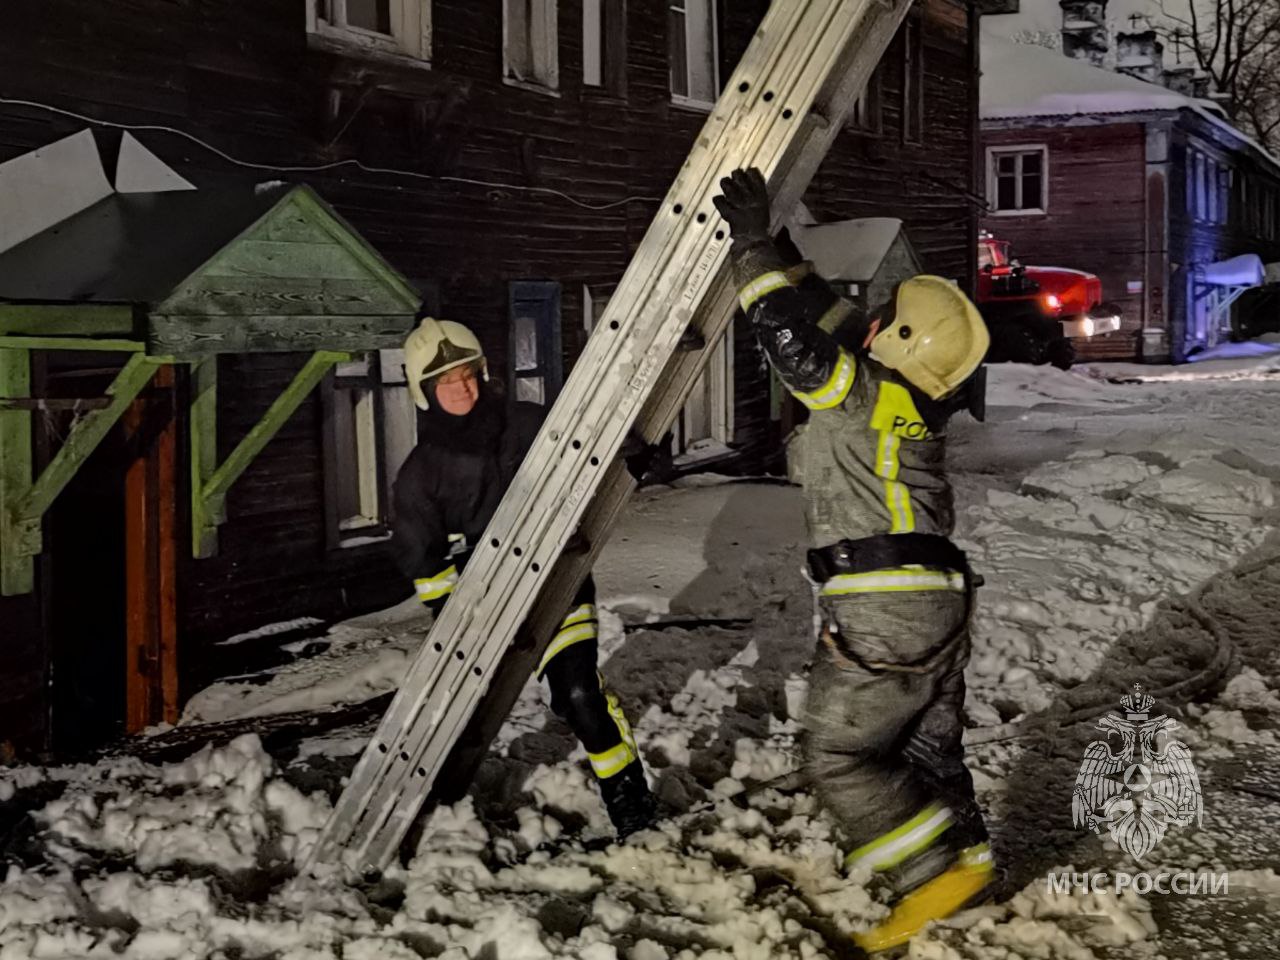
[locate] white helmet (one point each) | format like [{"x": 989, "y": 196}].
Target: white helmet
[{"x": 436, "y": 346}]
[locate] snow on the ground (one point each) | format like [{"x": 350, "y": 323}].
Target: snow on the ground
[
  {"x": 1081, "y": 501},
  {"x": 1257, "y": 359}
]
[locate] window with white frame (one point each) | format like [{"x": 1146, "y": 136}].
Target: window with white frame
[
  {"x": 1208, "y": 188},
  {"x": 372, "y": 427},
  {"x": 865, "y": 117},
  {"x": 531, "y": 43},
  {"x": 1017, "y": 179},
  {"x": 396, "y": 27},
  {"x": 693, "y": 51},
  {"x": 604, "y": 46},
  {"x": 912, "y": 81}
]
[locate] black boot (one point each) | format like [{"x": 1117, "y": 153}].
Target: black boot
[{"x": 627, "y": 797}]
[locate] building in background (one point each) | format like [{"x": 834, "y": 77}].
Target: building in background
[
  {"x": 502, "y": 158},
  {"x": 1132, "y": 175}
]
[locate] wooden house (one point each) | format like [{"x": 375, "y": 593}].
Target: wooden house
[
  {"x": 1146, "y": 186},
  {"x": 499, "y": 158}
]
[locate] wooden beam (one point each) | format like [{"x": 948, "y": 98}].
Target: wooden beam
[
  {"x": 81, "y": 320},
  {"x": 204, "y": 454},
  {"x": 193, "y": 338},
  {"x": 213, "y": 491},
  {"x": 17, "y": 571},
  {"x": 71, "y": 343},
  {"x": 85, "y": 437},
  {"x": 74, "y": 404}
]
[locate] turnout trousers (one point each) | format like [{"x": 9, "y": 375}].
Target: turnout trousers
[
  {"x": 882, "y": 744},
  {"x": 579, "y": 695}
]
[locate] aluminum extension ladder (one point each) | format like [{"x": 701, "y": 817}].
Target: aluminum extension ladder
[{"x": 802, "y": 72}]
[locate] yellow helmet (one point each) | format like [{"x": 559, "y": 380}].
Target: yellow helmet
[
  {"x": 434, "y": 347},
  {"x": 938, "y": 338}
]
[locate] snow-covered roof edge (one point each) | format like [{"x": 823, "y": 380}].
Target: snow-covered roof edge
[{"x": 1026, "y": 82}]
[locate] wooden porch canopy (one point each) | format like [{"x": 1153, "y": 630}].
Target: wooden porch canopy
[{"x": 179, "y": 277}]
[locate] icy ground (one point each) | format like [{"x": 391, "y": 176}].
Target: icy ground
[{"x": 1090, "y": 507}]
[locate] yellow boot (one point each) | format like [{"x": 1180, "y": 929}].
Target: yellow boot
[{"x": 938, "y": 898}]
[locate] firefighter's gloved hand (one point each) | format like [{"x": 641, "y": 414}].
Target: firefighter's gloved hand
[
  {"x": 744, "y": 204},
  {"x": 787, "y": 248},
  {"x": 638, "y": 453}
]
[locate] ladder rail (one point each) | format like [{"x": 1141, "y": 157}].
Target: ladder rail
[{"x": 428, "y": 714}]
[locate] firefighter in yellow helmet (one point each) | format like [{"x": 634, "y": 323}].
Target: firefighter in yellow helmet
[
  {"x": 471, "y": 443},
  {"x": 883, "y": 720}
]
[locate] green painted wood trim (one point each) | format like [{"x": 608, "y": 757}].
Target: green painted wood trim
[
  {"x": 213, "y": 491},
  {"x": 71, "y": 343},
  {"x": 204, "y": 455},
  {"x": 346, "y": 235},
  {"x": 17, "y": 569},
  {"x": 58, "y": 319},
  {"x": 85, "y": 437},
  {"x": 193, "y": 338}
]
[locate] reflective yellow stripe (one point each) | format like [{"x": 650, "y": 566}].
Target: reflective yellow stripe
[
  {"x": 761, "y": 286},
  {"x": 897, "y": 497},
  {"x": 579, "y": 615},
  {"x": 832, "y": 393},
  {"x": 893, "y": 580},
  {"x": 836, "y": 314},
  {"x": 567, "y": 638},
  {"x": 977, "y": 855},
  {"x": 798, "y": 272},
  {"x": 619, "y": 718},
  {"x": 431, "y": 588},
  {"x": 611, "y": 762},
  {"x": 890, "y": 849}
]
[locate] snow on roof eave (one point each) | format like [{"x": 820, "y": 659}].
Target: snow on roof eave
[
  {"x": 1024, "y": 82},
  {"x": 1233, "y": 130}
]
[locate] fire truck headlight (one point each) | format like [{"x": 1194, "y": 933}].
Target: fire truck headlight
[{"x": 1053, "y": 302}]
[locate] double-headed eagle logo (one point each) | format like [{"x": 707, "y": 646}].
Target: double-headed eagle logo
[{"x": 1137, "y": 781}]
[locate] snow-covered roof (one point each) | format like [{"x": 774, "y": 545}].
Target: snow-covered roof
[{"x": 1023, "y": 80}]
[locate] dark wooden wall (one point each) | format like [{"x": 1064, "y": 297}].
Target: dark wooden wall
[
  {"x": 1095, "y": 218},
  {"x": 240, "y": 75}
]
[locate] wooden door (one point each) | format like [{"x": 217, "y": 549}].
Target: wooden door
[{"x": 150, "y": 507}]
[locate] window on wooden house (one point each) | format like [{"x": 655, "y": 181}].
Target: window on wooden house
[
  {"x": 1017, "y": 179},
  {"x": 866, "y": 115},
  {"x": 1225, "y": 176},
  {"x": 371, "y": 427},
  {"x": 1198, "y": 199},
  {"x": 693, "y": 51},
  {"x": 535, "y": 369},
  {"x": 531, "y": 43},
  {"x": 397, "y": 27},
  {"x": 1211, "y": 190},
  {"x": 604, "y": 46},
  {"x": 912, "y": 81}
]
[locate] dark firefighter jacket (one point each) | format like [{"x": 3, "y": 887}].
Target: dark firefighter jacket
[{"x": 450, "y": 486}]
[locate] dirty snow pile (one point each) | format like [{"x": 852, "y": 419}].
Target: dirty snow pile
[{"x": 1083, "y": 503}]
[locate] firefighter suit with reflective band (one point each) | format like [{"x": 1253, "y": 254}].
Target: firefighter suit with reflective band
[
  {"x": 445, "y": 495},
  {"x": 883, "y": 718}
]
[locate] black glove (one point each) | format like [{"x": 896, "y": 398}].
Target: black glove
[
  {"x": 638, "y": 454},
  {"x": 744, "y": 204},
  {"x": 787, "y": 248}
]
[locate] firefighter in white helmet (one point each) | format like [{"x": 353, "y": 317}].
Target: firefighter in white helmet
[
  {"x": 470, "y": 446},
  {"x": 883, "y": 722}
]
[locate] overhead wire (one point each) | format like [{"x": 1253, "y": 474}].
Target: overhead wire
[{"x": 333, "y": 165}]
